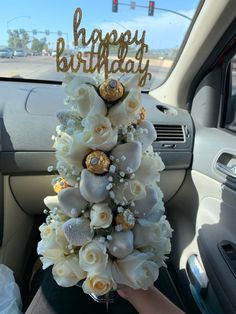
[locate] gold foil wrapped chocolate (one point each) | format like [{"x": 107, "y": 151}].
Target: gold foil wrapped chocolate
[
  {"x": 142, "y": 115},
  {"x": 126, "y": 220},
  {"x": 97, "y": 162},
  {"x": 111, "y": 90},
  {"x": 60, "y": 185}
]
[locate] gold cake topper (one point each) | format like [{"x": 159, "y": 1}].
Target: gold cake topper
[{"x": 100, "y": 48}]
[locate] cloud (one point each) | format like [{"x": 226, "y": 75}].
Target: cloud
[{"x": 163, "y": 31}]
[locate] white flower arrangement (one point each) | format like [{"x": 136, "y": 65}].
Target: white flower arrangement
[{"x": 106, "y": 225}]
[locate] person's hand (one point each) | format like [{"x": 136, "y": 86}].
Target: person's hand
[{"x": 150, "y": 301}]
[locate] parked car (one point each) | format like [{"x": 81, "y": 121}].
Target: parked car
[
  {"x": 36, "y": 53},
  {"x": 11, "y": 52},
  {"x": 45, "y": 53},
  {"x": 54, "y": 53},
  {"x": 6, "y": 53},
  {"x": 20, "y": 53}
]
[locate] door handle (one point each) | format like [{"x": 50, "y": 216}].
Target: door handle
[
  {"x": 227, "y": 170},
  {"x": 197, "y": 275}
]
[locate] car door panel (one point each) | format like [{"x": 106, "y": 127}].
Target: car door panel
[
  {"x": 203, "y": 212},
  {"x": 216, "y": 211}
]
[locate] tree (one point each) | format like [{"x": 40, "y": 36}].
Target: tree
[
  {"x": 39, "y": 45},
  {"x": 14, "y": 39},
  {"x": 24, "y": 38},
  {"x": 18, "y": 38}
]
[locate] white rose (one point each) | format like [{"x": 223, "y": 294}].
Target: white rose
[
  {"x": 133, "y": 190},
  {"x": 45, "y": 231},
  {"x": 70, "y": 120},
  {"x": 144, "y": 206},
  {"x": 136, "y": 271},
  {"x": 100, "y": 216},
  {"x": 136, "y": 190},
  {"x": 50, "y": 248},
  {"x": 93, "y": 257},
  {"x": 166, "y": 230},
  {"x": 149, "y": 170},
  {"x": 72, "y": 83},
  {"x": 62, "y": 145},
  {"x": 127, "y": 111},
  {"x": 88, "y": 102},
  {"x": 67, "y": 272},
  {"x": 71, "y": 149},
  {"x": 157, "y": 212},
  {"x": 146, "y": 233},
  {"x": 98, "y": 133},
  {"x": 159, "y": 250},
  {"x": 99, "y": 284}
]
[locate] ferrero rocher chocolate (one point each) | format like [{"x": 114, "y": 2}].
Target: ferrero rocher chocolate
[
  {"x": 142, "y": 115},
  {"x": 60, "y": 185},
  {"x": 97, "y": 162},
  {"x": 111, "y": 90},
  {"x": 126, "y": 220}
]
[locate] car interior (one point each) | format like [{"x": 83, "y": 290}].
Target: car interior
[{"x": 194, "y": 114}]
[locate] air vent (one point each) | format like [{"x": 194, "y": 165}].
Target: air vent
[{"x": 169, "y": 133}]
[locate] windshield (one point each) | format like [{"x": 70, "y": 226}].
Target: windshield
[{"x": 31, "y": 29}]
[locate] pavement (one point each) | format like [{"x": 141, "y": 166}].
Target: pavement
[{"x": 32, "y": 67}]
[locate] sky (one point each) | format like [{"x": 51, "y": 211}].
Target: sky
[{"x": 163, "y": 31}]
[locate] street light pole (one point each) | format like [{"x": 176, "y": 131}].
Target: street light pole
[
  {"x": 17, "y": 17},
  {"x": 174, "y": 12}
]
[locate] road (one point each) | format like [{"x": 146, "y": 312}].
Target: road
[{"x": 39, "y": 67}]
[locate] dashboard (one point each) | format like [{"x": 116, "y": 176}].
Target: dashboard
[{"x": 28, "y": 120}]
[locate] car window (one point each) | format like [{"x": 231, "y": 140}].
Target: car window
[
  {"x": 31, "y": 30},
  {"x": 232, "y": 102},
  {"x": 230, "y": 114},
  {"x": 233, "y": 62}
]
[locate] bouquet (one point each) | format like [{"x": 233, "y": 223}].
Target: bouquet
[{"x": 106, "y": 225}]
